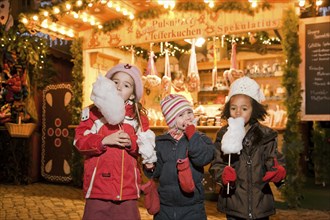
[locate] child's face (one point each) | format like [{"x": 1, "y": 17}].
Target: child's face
[
  {"x": 184, "y": 119},
  {"x": 125, "y": 85},
  {"x": 241, "y": 106}
]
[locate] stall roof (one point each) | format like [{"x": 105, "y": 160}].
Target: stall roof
[{"x": 67, "y": 18}]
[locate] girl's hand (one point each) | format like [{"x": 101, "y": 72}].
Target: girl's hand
[
  {"x": 149, "y": 166},
  {"x": 119, "y": 138},
  {"x": 191, "y": 122}
]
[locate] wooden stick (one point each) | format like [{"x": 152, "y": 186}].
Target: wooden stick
[
  {"x": 138, "y": 115},
  {"x": 228, "y": 165}
]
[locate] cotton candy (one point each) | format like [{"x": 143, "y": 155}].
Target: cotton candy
[
  {"x": 232, "y": 140},
  {"x": 146, "y": 143},
  {"x": 105, "y": 96}
]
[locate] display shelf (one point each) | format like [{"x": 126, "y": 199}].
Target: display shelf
[
  {"x": 267, "y": 72},
  {"x": 265, "y": 69},
  {"x": 209, "y": 95},
  {"x": 212, "y": 97},
  {"x": 222, "y": 64}
]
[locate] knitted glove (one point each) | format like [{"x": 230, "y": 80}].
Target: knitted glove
[
  {"x": 185, "y": 176},
  {"x": 190, "y": 131},
  {"x": 277, "y": 174},
  {"x": 228, "y": 175},
  {"x": 151, "y": 199}
]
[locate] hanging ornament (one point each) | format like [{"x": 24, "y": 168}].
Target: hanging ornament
[
  {"x": 151, "y": 81},
  {"x": 166, "y": 80},
  {"x": 215, "y": 68},
  {"x": 252, "y": 39},
  {"x": 193, "y": 76},
  {"x": 233, "y": 73}
]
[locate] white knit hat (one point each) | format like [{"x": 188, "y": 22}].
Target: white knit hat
[
  {"x": 172, "y": 105},
  {"x": 134, "y": 72},
  {"x": 246, "y": 86}
]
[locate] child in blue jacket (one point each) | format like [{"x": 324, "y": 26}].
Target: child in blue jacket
[{"x": 180, "y": 142}]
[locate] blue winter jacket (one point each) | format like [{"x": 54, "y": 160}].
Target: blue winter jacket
[{"x": 200, "y": 151}]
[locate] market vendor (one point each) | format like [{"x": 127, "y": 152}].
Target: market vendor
[{"x": 178, "y": 85}]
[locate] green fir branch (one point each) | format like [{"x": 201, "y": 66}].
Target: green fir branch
[{"x": 292, "y": 145}]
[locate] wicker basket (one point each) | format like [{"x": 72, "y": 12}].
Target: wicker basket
[{"x": 20, "y": 130}]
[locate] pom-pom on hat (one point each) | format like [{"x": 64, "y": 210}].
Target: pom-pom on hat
[
  {"x": 246, "y": 86},
  {"x": 172, "y": 105},
  {"x": 134, "y": 72}
]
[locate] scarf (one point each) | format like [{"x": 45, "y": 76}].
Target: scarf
[{"x": 175, "y": 133}]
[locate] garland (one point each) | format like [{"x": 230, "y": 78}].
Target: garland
[
  {"x": 77, "y": 79},
  {"x": 111, "y": 25},
  {"x": 76, "y": 106},
  {"x": 241, "y": 7},
  {"x": 321, "y": 153},
  {"x": 292, "y": 145}
]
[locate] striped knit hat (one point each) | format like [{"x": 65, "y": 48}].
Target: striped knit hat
[{"x": 172, "y": 105}]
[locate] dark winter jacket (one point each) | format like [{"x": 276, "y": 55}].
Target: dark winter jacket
[
  {"x": 173, "y": 200},
  {"x": 250, "y": 198}
]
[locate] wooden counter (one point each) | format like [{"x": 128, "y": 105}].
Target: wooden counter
[{"x": 210, "y": 131}]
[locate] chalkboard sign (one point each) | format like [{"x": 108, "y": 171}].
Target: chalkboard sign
[{"x": 315, "y": 68}]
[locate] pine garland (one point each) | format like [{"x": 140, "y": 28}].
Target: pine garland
[
  {"x": 77, "y": 79},
  {"x": 151, "y": 13},
  {"x": 190, "y": 6},
  {"x": 292, "y": 145},
  {"x": 112, "y": 25},
  {"x": 321, "y": 153},
  {"x": 76, "y": 106},
  {"x": 241, "y": 7}
]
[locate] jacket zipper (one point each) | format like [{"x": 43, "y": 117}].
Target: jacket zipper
[
  {"x": 122, "y": 174},
  {"x": 249, "y": 165}
]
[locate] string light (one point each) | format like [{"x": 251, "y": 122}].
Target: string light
[
  {"x": 176, "y": 49},
  {"x": 318, "y": 3}
]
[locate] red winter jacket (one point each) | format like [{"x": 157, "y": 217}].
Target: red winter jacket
[{"x": 110, "y": 173}]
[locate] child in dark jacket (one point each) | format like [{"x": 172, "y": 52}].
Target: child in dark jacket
[
  {"x": 254, "y": 165},
  {"x": 181, "y": 197}
]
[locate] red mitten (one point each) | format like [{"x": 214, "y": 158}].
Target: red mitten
[
  {"x": 276, "y": 175},
  {"x": 190, "y": 131},
  {"x": 151, "y": 199},
  {"x": 228, "y": 175},
  {"x": 185, "y": 176}
]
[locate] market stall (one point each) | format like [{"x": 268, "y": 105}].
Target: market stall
[
  {"x": 257, "y": 35},
  {"x": 108, "y": 32},
  {"x": 144, "y": 34}
]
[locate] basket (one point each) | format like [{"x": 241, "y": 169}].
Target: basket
[{"x": 20, "y": 130}]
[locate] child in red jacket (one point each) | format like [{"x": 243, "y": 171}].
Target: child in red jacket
[{"x": 111, "y": 136}]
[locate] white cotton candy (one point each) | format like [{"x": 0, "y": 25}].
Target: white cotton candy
[
  {"x": 146, "y": 143},
  {"x": 232, "y": 140},
  {"x": 105, "y": 96}
]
